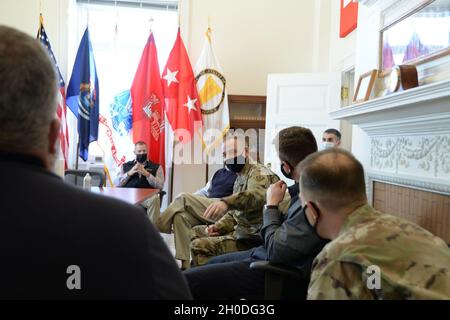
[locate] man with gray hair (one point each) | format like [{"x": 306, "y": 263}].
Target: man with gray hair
[
  {"x": 372, "y": 255},
  {"x": 59, "y": 242}
]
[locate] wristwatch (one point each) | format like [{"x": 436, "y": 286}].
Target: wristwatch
[{"x": 270, "y": 207}]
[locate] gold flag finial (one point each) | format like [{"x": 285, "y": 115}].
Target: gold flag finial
[
  {"x": 151, "y": 24},
  {"x": 209, "y": 30},
  {"x": 179, "y": 14}
]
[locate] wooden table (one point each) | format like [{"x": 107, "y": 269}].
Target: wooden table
[{"x": 131, "y": 195}]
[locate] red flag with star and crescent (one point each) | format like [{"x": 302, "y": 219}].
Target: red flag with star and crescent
[
  {"x": 148, "y": 104},
  {"x": 180, "y": 90}
]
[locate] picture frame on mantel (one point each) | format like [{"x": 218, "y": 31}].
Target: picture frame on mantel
[{"x": 365, "y": 86}]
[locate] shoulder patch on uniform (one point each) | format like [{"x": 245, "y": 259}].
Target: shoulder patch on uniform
[{"x": 259, "y": 178}]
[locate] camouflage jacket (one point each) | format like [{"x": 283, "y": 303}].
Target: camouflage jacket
[
  {"x": 247, "y": 201},
  {"x": 412, "y": 262}
]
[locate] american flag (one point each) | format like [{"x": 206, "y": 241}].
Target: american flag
[{"x": 61, "y": 109}]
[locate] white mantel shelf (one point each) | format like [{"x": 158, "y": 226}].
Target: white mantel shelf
[{"x": 421, "y": 110}]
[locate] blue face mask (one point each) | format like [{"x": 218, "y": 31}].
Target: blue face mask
[{"x": 327, "y": 145}]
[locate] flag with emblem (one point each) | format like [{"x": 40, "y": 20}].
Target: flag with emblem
[
  {"x": 182, "y": 101},
  {"x": 211, "y": 85},
  {"x": 83, "y": 95},
  {"x": 148, "y": 104},
  {"x": 61, "y": 110}
]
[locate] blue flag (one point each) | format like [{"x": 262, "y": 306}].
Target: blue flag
[{"x": 83, "y": 95}]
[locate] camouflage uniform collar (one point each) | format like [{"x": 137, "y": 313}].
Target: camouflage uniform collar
[
  {"x": 356, "y": 217},
  {"x": 246, "y": 169}
]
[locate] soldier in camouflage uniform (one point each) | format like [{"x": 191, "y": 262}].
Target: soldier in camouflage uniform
[
  {"x": 372, "y": 255},
  {"x": 242, "y": 210}
]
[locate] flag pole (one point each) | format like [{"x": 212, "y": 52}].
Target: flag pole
[
  {"x": 208, "y": 36},
  {"x": 172, "y": 170},
  {"x": 76, "y": 161},
  {"x": 207, "y": 168}
]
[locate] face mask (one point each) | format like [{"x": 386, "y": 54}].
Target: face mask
[
  {"x": 235, "y": 164},
  {"x": 141, "y": 158},
  {"x": 327, "y": 145},
  {"x": 313, "y": 228},
  {"x": 287, "y": 175}
]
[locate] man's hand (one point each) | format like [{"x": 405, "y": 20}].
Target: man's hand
[
  {"x": 275, "y": 193},
  {"x": 133, "y": 170},
  {"x": 212, "y": 231},
  {"x": 216, "y": 210},
  {"x": 142, "y": 171}
]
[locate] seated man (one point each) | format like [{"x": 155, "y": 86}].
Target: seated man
[
  {"x": 187, "y": 211},
  {"x": 142, "y": 173},
  {"x": 331, "y": 138},
  {"x": 58, "y": 241},
  {"x": 287, "y": 238},
  {"x": 241, "y": 212},
  {"x": 372, "y": 255}
]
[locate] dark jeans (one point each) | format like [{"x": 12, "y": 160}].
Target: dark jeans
[
  {"x": 233, "y": 256},
  {"x": 226, "y": 280}
]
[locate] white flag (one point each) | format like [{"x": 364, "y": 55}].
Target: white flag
[
  {"x": 211, "y": 86},
  {"x": 114, "y": 136}
]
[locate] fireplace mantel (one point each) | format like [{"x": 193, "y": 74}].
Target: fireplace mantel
[
  {"x": 409, "y": 135},
  {"x": 421, "y": 110},
  {"x": 401, "y": 139}
]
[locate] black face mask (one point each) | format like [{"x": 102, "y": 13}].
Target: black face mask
[
  {"x": 313, "y": 228},
  {"x": 235, "y": 164},
  {"x": 287, "y": 175},
  {"x": 141, "y": 158}
]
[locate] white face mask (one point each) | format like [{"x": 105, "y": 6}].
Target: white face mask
[{"x": 327, "y": 145}]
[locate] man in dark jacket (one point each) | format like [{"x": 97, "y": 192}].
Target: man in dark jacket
[
  {"x": 143, "y": 173},
  {"x": 57, "y": 241},
  {"x": 288, "y": 239}
]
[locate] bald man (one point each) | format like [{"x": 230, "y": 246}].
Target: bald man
[{"x": 372, "y": 255}]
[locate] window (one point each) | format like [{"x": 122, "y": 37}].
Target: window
[{"x": 118, "y": 35}]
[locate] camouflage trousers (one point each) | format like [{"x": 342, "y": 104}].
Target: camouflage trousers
[
  {"x": 204, "y": 247},
  {"x": 181, "y": 215}
]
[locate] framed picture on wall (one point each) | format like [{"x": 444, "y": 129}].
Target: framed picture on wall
[
  {"x": 365, "y": 86},
  {"x": 349, "y": 17}
]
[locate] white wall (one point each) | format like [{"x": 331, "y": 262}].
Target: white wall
[
  {"x": 24, "y": 15},
  {"x": 341, "y": 58},
  {"x": 253, "y": 38}
]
